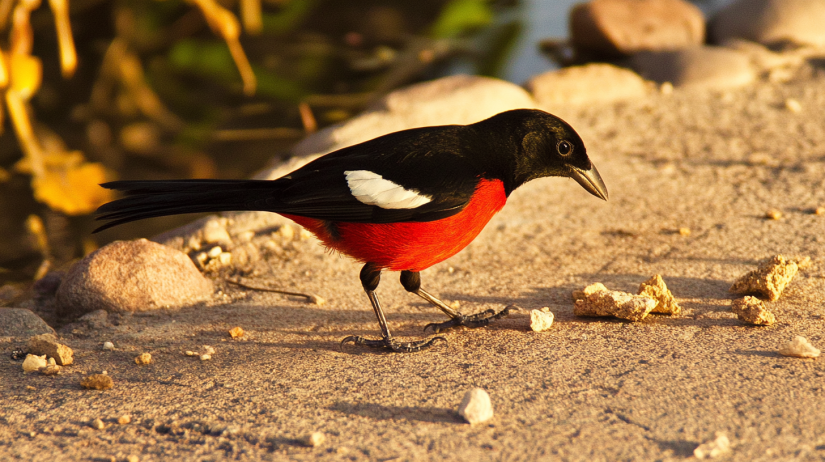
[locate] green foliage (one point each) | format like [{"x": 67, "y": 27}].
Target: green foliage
[{"x": 461, "y": 16}]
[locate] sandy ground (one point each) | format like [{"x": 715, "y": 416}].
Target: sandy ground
[{"x": 589, "y": 389}]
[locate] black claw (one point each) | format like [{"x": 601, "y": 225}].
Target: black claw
[
  {"x": 472, "y": 321},
  {"x": 408, "y": 347}
]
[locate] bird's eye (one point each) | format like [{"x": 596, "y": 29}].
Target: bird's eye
[{"x": 564, "y": 147}]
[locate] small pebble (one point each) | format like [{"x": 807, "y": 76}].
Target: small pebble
[
  {"x": 143, "y": 359},
  {"x": 718, "y": 447},
  {"x": 208, "y": 350},
  {"x": 190, "y": 353},
  {"x": 666, "y": 88},
  {"x": 51, "y": 362},
  {"x": 287, "y": 232},
  {"x": 108, "y": 346},
  {"x": 97, "y": 424},
  {"x": 819, "y": 211},
  {"x": 476, "y": 406},
  {"x": 51, "y": 369},
  {"x": 541, "y": 320},
  {"x": 132, "y": 458},
  {"x": 214, "y": 251},
  {"x": 225, "y": 258},
  {"x": 236, "y": 332},
  {"x": 800, "y": 347},
  {"x": 206, "y": 357},
  {"x": 124, "y": 419},
  {"x": 97, "y": 382},
  {"x": 684, "y": 231},
  {"x": 773, "y": 214},
  {"x": 314, "y": 440},
  {"x": 793, "y": 105},
  {"x": 33, "y": 363}
]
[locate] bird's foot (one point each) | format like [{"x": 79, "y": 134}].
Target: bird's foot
[
  {"x": 472, "y": 321},
  {"x": 398, "y": 347}
]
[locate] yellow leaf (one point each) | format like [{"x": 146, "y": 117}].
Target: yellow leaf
[{"x": 73, "y": 189}]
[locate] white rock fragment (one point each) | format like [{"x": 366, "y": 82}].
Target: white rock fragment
[
  {"x": 214, "y": 251},
  {"x": 476, "y": 406},
  {"x": 108, "y": 346},
  {"x": 591, "y": 289},
  {"x": 314, "y": 440},
  {"x": 214, "y": 232},
  {"x": 800, "y": 347},
  {"x": 793, "y": 105},
  {"x": 541, "y": 320},
  {"x": 190, "y": 353},
  {"x": 97, "y": 424},
  {"x": 225, "y": 258},
  {"x": 208, "y": 350},
  {"x": 621, "y": 305},
  {"x": 206, "y": 357},
  {"x": 716, "y": 448},
  {"x": 33, "y": 363}
]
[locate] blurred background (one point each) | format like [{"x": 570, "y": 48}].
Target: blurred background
[{"x": 98, "y": 90}]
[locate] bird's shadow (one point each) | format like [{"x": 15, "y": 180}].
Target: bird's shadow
[{"x": 381, "y": 412}]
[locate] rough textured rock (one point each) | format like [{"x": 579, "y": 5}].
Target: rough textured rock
[
  {"x": 97, "y": 382},
  {"x": 21, "y": 323},
  {"x": 47, "y": 344},
  {"x": 769, "y": 280},
  {"x": 615, "y": 28},
  {"x": 752, "y": 311},
  {"x": 541, "y": 320},
  {"x": 771, "y": 22},
  {"x": 476, "y": 406},
  {"x": 620, "y": 305},
  {"x": 696, "y": 67},
  {"x": 34, "y": 363},
  {"x": 459, "y": 99},
  {"x": 130, "y": 276},
  {"x": 591, "y": 289},
  {"x": 718, "y": 447},
  {"x": 656, "y": 289},
  {"x": 800, "y": 347},
  {"x": 591, "y": 83}
]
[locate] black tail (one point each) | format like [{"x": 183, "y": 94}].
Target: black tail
[{"x": 148, "y": 199}]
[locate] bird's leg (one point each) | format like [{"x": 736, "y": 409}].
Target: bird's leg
[
  {"x": 370, "y": 277},
  {"x": 411, "y": 280}
]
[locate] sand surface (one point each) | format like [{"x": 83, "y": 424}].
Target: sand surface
[{"x": 588, "y": 389}]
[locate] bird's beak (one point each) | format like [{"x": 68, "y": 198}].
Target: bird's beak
[{"x": 591, "y": 181}]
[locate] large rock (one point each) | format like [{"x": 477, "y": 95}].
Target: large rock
[
  {"x": 699, "y": 67},
  {"x": 615, "y": 28},
  {"x": 20, "y": 323},
  {"x": 130, "y": 276},
  {"x": 771, "y": 22},
  {"x": 459, "y": 99},
  {"x": 591, "y": 83}
]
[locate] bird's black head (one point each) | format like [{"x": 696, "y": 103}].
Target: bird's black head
[{"x": 543, "y": 145}]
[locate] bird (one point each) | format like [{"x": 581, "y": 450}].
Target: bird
[{"x": 403, "y": 201}]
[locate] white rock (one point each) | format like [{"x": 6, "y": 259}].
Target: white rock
[
  {"x": 108, "y": 346},
  {"x": 33, "y": 363},
  {"x": 800, "y": 347},
  {"x": 591, "y": 83},
  {"x": 476, "y": 406},
  {"x": 206, "y": 357},
  {"x": 314, "y": 440},
  {"x": 699, "y": 67},
  {"x": 771, "y": 21},
  {"x": 718, "y": 447},
  {"x": 541, "y": 320},
  {"x": 214, "y": 232}
]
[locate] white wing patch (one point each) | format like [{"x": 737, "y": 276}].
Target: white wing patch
[{"x": 372, "y": 189}]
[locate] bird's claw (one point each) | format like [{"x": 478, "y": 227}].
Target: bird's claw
[
  {"x": 389, "y": 343},
  {"x": 472, "y": 321}
]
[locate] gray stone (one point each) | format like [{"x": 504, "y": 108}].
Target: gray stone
[
  {"x": 771, "y": 22},
  {"x": 699, "y": 67},
  {"x": 20, "y": 323},
  {"x": 591, "y": 83},
  {"x": 616, "y": 28},
  {"x": 130, "y": 276}
]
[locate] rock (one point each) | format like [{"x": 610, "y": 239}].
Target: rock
[
  {"x": 752, "y": 311},
  {"x": 214, "y": 232},
  {"x": 621, "y": 305},
  {"x": 696, "y": 67},
  {"x": 459, "y": 99},
  {"x": 656, "y": 289},
  {"x": 716, "y": 448},
  {"x": 476, "y": 406},
  {"x": 97, "y": 382},
  {"x": 143, "y": 359},
  {"x": 616, "y": 28},
  {"x": 769, "y": 280},
  {"x": 314, "y": 439},
  {"x": 541, "y": 320},
  {"x": 800, "y": 347},
  {"x": 236, "y": 332},
  {"x": 130, "y": 276},
  {"x": 771, "y": 22},
  {"x": 591, "y": 289},
  {"x": 21, "y": 323},
  {"x": 34, "y": 363},
  {"x": 591, "y": 83},
  {"x": 47, "y": 344}
]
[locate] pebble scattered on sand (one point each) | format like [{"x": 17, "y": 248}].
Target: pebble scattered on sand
[
  {"x": 800, "y": 347},
  {"x": 476, "y": 406},
  {"x": 143, "y": 359},
  {"x": 613, "y": 303},
  {"x": 684, "y": 231},
  {"x": 541, "y": 320},
  {"x": 591, "y": 289},
  {"x": 51, "y": 369},
  {"x": 793, "y": 105},
  {"x": 768, "y": 280},
  {"x": 124, "y": 419},
  {"x": 47, "y": 344},
  {"x": 206, "y": 357},
  {"x": 97, "y": 424},
  {"x": 33, "y": 363},
  {"x": 656, "y": 289},
  {"x": 752, "y": 311},
  {"x": 314, "y": 439},
  {"x": 712, "y": 449},
  {"x": 236, "y": 332},
  {"x": 108, "y": 346},
  {"x": 773, "y": 214}
]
